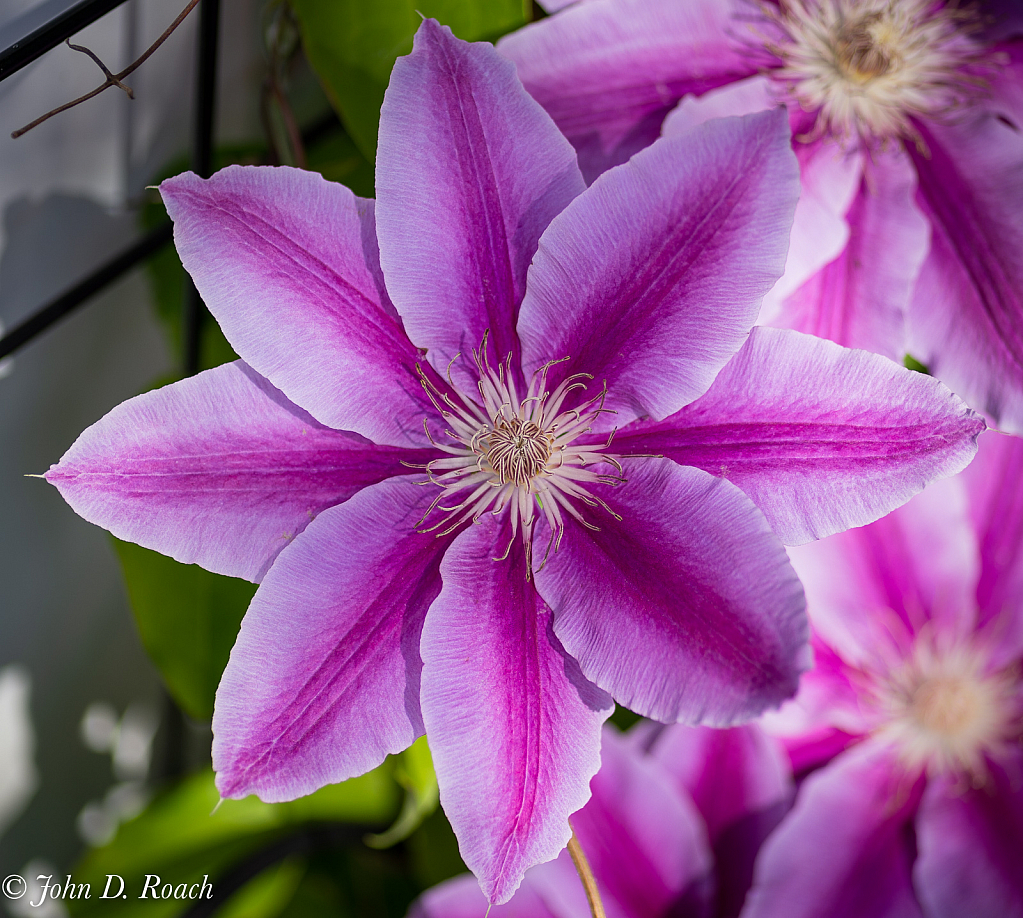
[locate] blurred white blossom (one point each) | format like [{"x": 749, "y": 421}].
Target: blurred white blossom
[{"x": 18, "y": 776}]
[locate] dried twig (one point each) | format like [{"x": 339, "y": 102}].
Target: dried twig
[{"x": 112, "y": 79}]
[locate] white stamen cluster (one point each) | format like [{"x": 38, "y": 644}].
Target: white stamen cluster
[
  {"x": 946, "y": 708},
  {"x": 867, "y": 67},
  {"x": 506, "y": 452}
]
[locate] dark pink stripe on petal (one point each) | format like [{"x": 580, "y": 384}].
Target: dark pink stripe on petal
[
  {"x": 323, "y": 681},
  {"x": 513, "y": 726},
  {"x": 287, "y": 264},
  {"x": 470, "y": 172},
  {"x": 685, "y": 610},
  {"x": 651, "y": 280},
  {"x": 878, "y": 586},
  {"x": 822, "y": 438},
  {"x": 219, "y": 470}
]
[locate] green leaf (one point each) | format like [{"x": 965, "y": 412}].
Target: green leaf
[
  {"x": 352, "y": 45},
  {"x": 188, "y": 620},
  {"x": 184, "y": 836},
  {"x": 413, "y": 770},
  {"x": 911, "y": 363},
  {"x": 268, "y": 894}
]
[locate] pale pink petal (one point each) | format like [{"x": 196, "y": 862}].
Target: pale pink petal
[
  {"x": 470, "y": 170},
  {"x": 219, "y": 470}
]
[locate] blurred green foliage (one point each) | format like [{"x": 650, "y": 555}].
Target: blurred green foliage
[
  {"x": 352, "y": 45},
  {"x": 181, "y": 838}
]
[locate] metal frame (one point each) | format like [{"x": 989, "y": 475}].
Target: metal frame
[{"x": 45, "y": 28}]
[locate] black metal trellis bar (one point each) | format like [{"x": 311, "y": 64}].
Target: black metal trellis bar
[
  {"x": 193, "y": 311},
  {"x": 202, "y": 160},
  {"x": 48, "y": 25},
  {"x": 152, "y": 242}
]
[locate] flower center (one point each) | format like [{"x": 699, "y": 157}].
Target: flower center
[
  {"x": 506, "y": 453},
  {"x": 867, "y": 67},
  {"x": 947, "y": 708},
  {"x": 518, "y": 450}
]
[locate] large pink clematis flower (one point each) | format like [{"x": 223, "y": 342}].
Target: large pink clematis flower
[
  {"x": 676, "y": 818},
  {"x": 919, "y": 678},
  {"x": 474, "y": 372},
  {"x": 908, "y": 122}
]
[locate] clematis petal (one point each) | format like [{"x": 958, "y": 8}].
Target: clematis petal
[
  {"x": 829, "y": 177},
  {"x": 323, "y": 681},
  {"x": 966, "y": 317},
  {"x": 287, "y": 264},
  {"x": 462, "y": 897},
  {"x": 844, "y": 850},
  {"x": 470, "y": 170},
  {"x": 825, "y": 717},
  {"x": 729, "y": 773},
  {"x": 643, "y": 838},
  {"x": 970, "y": 843},
  {"x": 860, "y": 298},
  {"x": 741, "y": 782},
  {"x": 608, "y": 71},
  {"x": 994, "y": 481},
  {"x": 514, "y": 727},
  {"x": 686, "y": 608},
  {"x": 652, "y": 279},
  {"x": 821, "y": 438},
  {"x": 876, "y": 586},
  {"x": 219, "y": 470}
]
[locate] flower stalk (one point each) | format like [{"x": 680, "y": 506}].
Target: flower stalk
[{"x": 589, "y": 882}]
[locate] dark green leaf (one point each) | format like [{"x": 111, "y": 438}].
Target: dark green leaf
[
  {"x": 187, "y": 618},
  {"x": 413, "y": 770},
  {"x": 352, "y": 45}
]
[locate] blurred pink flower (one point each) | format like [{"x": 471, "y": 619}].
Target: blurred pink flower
[
  {"x": 908, "y": 122},
  {"x": 918, "y": 634}
]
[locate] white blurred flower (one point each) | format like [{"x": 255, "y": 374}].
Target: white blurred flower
[
  {"x": 99, "y": 727},
  {"x": 134, "y": 743},
  {"x": 18, "y": 776},
  {"x": 48, "y": 908}
]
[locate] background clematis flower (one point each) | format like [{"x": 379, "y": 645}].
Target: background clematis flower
[
  {"x": 676, "y": 817},
  {"x": 908, "y": 122},
  {"x": 386, "y": 404},
  {"x": 918, "y": 622}
]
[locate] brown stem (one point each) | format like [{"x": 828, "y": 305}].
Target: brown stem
[
  {"x": 582, "y": 867},
  {"x": 113, "y": 79}
]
